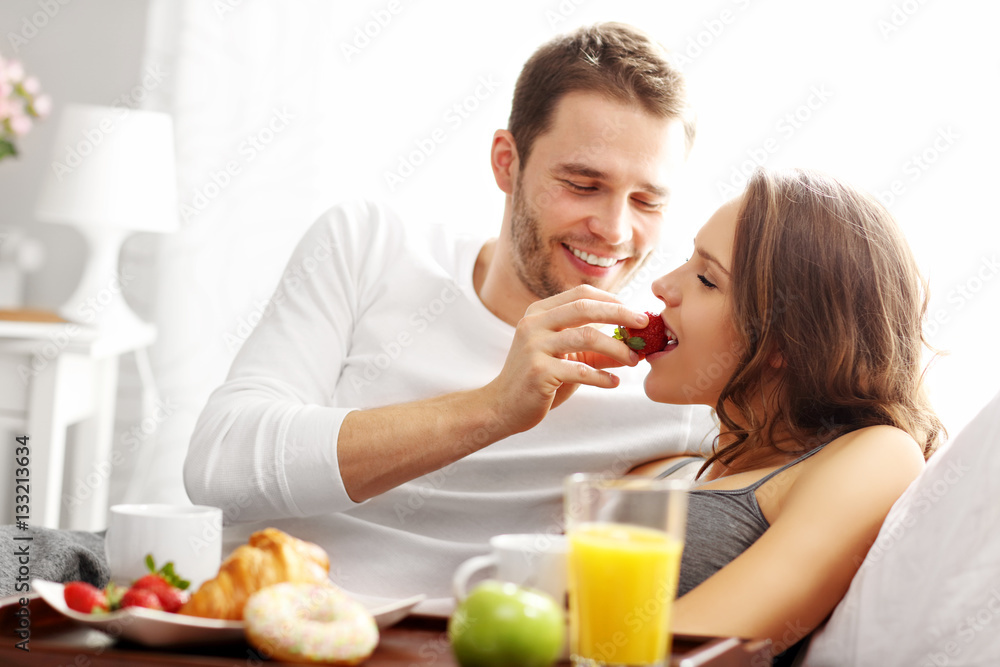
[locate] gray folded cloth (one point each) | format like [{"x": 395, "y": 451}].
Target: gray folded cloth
[{"x": 55, "y": 555}]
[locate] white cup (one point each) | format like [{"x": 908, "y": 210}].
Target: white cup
[
  {"x": 534, "y": 560},
  {"x": 190, "y": 536}
]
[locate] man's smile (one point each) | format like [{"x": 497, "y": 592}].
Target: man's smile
[{"x": 592, "y": 259}]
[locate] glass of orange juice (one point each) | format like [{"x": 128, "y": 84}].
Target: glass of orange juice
[{"x": 625, "y": 538}]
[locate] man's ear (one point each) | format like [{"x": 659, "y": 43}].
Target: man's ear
[
  {"x": 776, "y": 360},
  {"x": 503, "y": 159}
]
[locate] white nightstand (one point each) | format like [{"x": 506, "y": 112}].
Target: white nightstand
[{"x": 53, "y": 376}]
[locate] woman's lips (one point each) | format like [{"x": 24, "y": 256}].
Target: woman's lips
[{"x": 656, "y": 355}]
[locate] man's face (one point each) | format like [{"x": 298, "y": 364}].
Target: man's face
[{"x": 589, "y": 203}]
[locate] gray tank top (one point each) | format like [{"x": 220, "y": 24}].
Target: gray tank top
[{"x": 721, "y": 525}]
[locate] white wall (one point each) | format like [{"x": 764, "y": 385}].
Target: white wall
[{"x": 88, "y": 52}]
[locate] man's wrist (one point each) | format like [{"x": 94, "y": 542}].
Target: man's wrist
[{"x": 489, "y": 421}]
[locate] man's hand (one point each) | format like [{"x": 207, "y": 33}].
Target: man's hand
[{"x": 555, "y": 350}]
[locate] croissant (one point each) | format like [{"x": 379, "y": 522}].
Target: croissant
[{"x": 270, "y": 557}]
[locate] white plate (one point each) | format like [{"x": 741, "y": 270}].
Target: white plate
[
  {"x": 159, "y": 628},
  {"x": 427, "y": 607},
  {"x": 435, "y": 608}
]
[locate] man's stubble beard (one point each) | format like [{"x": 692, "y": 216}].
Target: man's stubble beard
[{"x": 530, "y": 259}]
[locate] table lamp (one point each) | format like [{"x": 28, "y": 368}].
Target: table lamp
[{"x": 113, "y": 174}]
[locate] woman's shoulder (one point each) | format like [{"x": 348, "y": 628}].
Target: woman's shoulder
[
  {"x": 879, "y": 461},
  {"x": 876, "y": 444}
]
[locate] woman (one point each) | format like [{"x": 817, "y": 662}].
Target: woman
[{"x": 798, "y": 318}]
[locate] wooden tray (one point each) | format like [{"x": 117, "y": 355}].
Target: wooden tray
[{"x": 56, "y": 641}]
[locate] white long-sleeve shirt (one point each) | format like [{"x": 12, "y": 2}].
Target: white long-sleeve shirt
[{"x": 369, "y": 313}]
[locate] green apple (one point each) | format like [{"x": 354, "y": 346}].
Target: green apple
[{"x": 505, "y": 625}]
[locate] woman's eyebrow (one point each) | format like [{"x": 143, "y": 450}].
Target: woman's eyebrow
[{"x": 708, "y": 257}]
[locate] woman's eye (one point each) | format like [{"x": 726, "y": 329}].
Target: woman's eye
[{"x": 706, "y": 282}]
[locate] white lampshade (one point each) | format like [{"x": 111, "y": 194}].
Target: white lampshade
[
  {"x": 112, "y": 167},
  {"x": 113, "y": 173}
]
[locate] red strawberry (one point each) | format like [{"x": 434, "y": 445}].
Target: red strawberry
[
  {"x": 141, "y": 597},
  {"x": 150, "y": 581},
  {"x": 652, "y": 339},
  {"x": 171, "y": 598},
  {"x": 81, "y": 596}
]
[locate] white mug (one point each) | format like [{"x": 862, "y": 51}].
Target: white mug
[
  {"x": 534, "y": 560},
  {"x": 189, "y": 536}
]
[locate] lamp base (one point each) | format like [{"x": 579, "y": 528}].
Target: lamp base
[{"x": 98, "y": 301}]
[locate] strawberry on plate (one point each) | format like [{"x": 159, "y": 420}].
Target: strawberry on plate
[
  {"x": 171, "y": 598},
  {"x": 84, "y": 598},
  {"x": 653, "y": 338},
  {"x": 141, "y": 597},
  {"x": 165, "y": 584},
  {"x": 161, "y": 589}
]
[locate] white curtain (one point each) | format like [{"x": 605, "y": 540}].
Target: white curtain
[
  {"x": 282, "y": 109},
  {"x": 247, "y": 90}
]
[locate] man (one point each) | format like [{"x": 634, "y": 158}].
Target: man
[{"x": 394, "y": 407}]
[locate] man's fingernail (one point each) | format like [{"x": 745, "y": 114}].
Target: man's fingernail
[{"x": 633, "y": 356}]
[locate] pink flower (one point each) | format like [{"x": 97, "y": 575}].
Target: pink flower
[
  {"x": 31, "y": 85},
  {"x": 20, "y": 124},
  {"x": 42, "y": 105},
  {"x": 15, "y": 71},
  {"x": 20, "y": 101}
]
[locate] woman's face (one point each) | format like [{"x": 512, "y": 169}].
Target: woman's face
[{"x": 698, "y": 310}]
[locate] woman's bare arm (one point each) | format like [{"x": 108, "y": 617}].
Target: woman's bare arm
[{"x": 787, "y": 582}]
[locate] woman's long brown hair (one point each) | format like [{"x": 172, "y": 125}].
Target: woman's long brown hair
[{"x": 823, "y": 280}]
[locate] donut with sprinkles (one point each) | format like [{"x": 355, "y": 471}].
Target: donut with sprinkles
[{"x": 309, "y": 623}]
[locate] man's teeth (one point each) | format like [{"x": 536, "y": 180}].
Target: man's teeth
[
  {"x": 671, "y": 338},
  {"x": 593, "y": 260}
]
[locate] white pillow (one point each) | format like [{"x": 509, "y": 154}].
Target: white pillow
[{"x": 928, "y": 592}]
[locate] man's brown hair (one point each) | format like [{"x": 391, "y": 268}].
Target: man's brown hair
[{"x": 612, "y": 59}]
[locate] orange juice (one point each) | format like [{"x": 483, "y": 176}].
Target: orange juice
[{"x": 622, "y": 583}]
